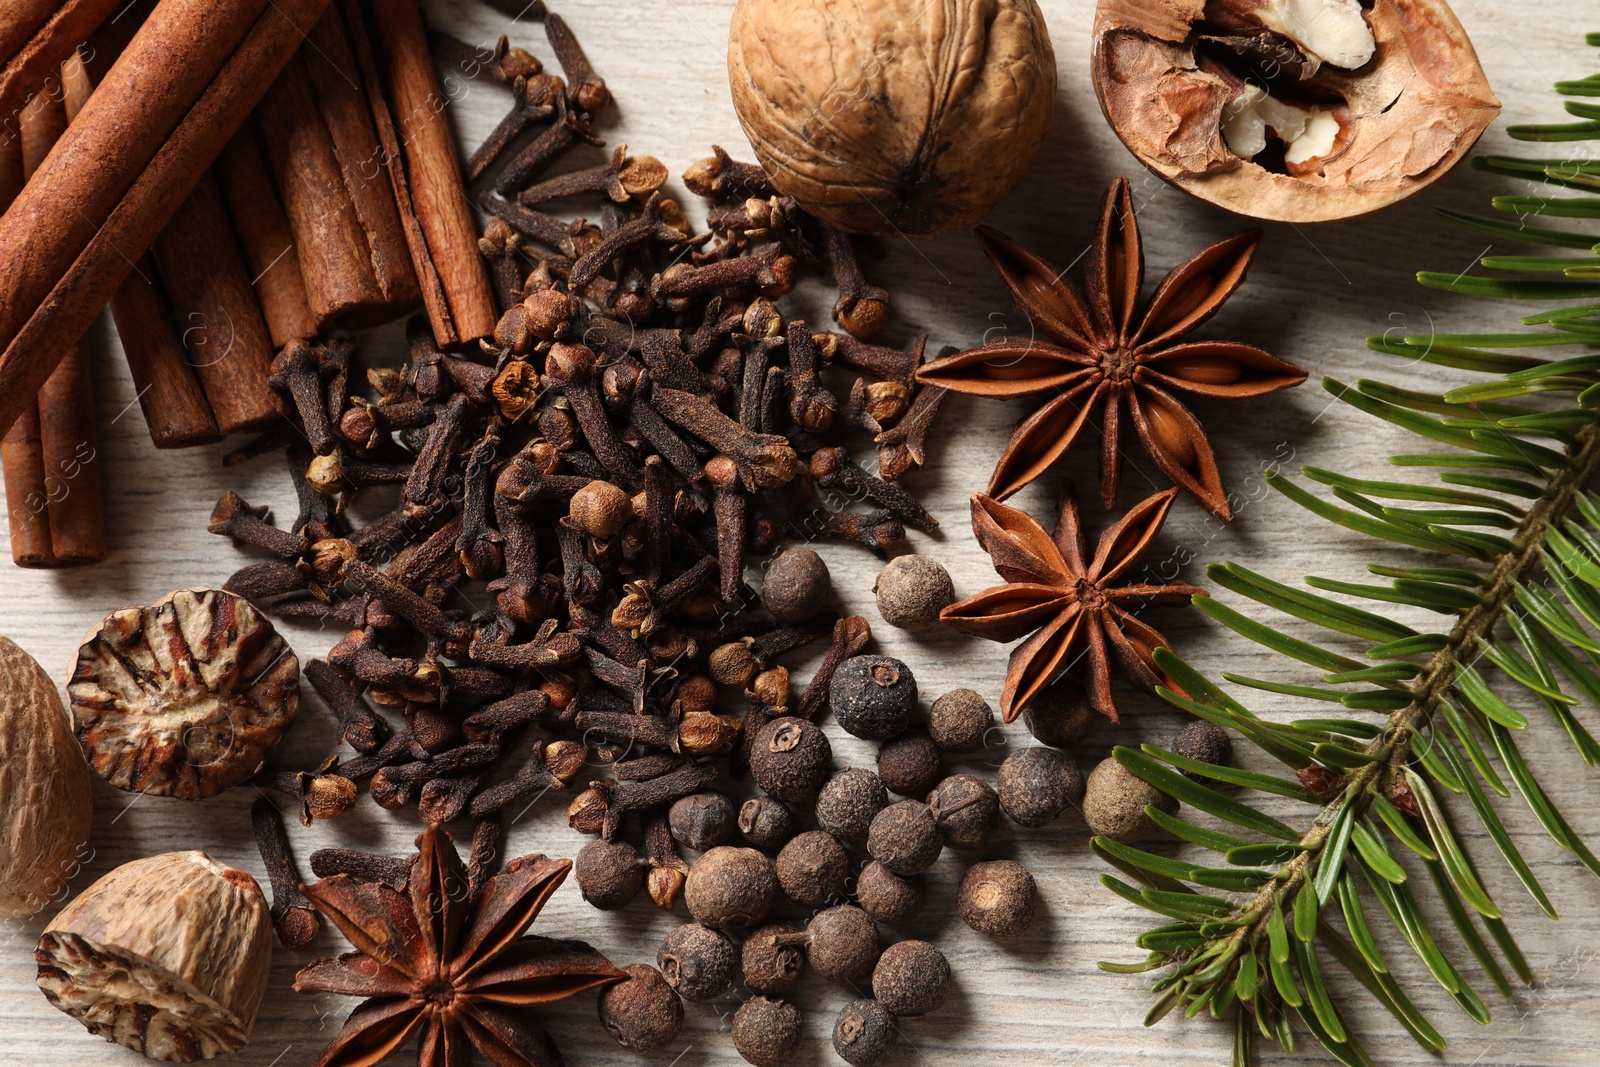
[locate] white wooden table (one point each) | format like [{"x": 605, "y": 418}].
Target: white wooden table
[{"x": 1311, "y": 298}]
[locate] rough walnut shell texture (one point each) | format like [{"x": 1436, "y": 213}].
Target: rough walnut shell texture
[
  {"x": 45, "y": 804},
  {"x": 1420, "y": 102},
  {"x": 167, "y": 955},
  {"x": 898, "y": 117},
  {"x": 183, "y": 698}
]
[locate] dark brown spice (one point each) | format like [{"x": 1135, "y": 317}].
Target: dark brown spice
[
  {"x": 697, "y": 961},
  {"x": 642, "y": 1013},
  {"x": 292, "y": 914},
  {"x": 905, "y": 838}
]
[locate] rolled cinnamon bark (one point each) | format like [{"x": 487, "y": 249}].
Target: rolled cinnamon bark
[
  {"x": 174, "y": 405},
  {"x": 69, "y": 442},
  {"x": 219, "y": 321},
  {"x": 53, "y": 294},
  {"x": 324, "y": 150},
  {"x": 265, "y": 238},
  {"x": 444, "y": 243},
  {"x": 36, "y": 37},
  {"x": 171, "y": 60},
  {"x": 175, "y": 408},
  {"x": 21, "y": 451}
]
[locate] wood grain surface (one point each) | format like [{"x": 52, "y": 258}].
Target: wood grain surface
[{"x": 1312, "y": 296}]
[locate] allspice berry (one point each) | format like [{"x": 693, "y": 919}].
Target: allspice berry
[
  {"x": 873, "y": 697},
  {"x": 641, "y": 1012},
  {"x": 1204, "y": 741},
  {"x": 609, "y": 874},
  {"x": 864, "y": 1033},
  {"x": 796, "y": 586},
  {"x": 959, "y": 721},
  {"x": 698, "y": 962},
  {"x": 911, "y": 978},
  {"x": 892, "y": 899},
  {"x": 600, "y": 509},
  {"x": 841, "y": 943},
  {"x": 813, "y": 869},
  {"x": 702, "y": 821},
  {"x": 789, "y": 759},
  {"x": 1114, "y": 803},
  {"x": 730, "y": 888},
  {"x": 965, "y": 810},
  {"x": 766, "y": 1031},
  {"x": 912, "y": 590},
  {"x": 1038, "y": 784},
  {"x": 997, "y": 899},
  {"x": 765, "y": 823},
  {"x": 909, "y": 765},
  {"x": 905, "y": 838},
  {"x": 848, "y": 803},
  {"x": 771, "y": 968},
  {"x": 1060, "y": 716}
]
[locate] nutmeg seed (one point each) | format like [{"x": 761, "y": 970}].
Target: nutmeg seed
[
  {"x": 167, "y": 955},
  {"x": 44, "y": 788}
]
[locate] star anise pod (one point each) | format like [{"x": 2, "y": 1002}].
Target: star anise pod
[
  {"x": 1070, "y": 602},
  {"x": 1098, "y": 351},
  {"x": 448, "y": 965}
]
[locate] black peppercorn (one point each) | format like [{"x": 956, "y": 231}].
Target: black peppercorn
[
  {"x": 890, "y": 898},
  {"x": 641, "y": 1012},
  {"x": 864, "y": 1033},
  {"x": 789, "y": 759},
  {"x": 796, "y": 586},
  {"x": 848, "y": 802},
  {"x": 1038, "y": 784},
  {"x": 912, "y": 590},
  {"x": 609, "y": 874},
  {"x": 905, "y": 838},
  {"x": 909, "y": 765},
  {"x": 873, "y": 697},
  {"x": 1060, "y": 716},
  {"x": 702, "y": 821},
  {"x": 911, "y": 978},
  {"x": 997, "y": 899},
  {"x": 1204, "y": 741},
  {"x": 959, "y": 721},
  {"x": 765, "y": 823},
  {"x": 730, "y": 888},
  {"x": 766, "y": 1031},
  {"x": 770, "y": 968},
  {"x": 965, "y": 810},
  {"x": 841, "y": 943},
  {"x": 813, "y": 869},
  {"x": 698, "y": 962}
]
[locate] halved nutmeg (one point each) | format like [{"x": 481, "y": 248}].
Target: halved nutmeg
[
  {"x": 183, "y": 698},
  {"x": 167, "y": 955},
  {"x": 1293, "y": 110}
]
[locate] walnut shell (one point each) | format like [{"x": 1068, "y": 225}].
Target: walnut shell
[
  {"x": 903, "y": 116},
  {"x": 185, "y": 697},
  {"x": 44, "y": 788},
  {"x": 167, "y": 955},
  {"x": 1404, "y": 109}
]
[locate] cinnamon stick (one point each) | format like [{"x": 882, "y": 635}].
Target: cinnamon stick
[
  {"x": 218, "y": 317},
  {"x": 265, "y": 238},
  {"x": 175, "y": 408},
  {"x": 444, "y": 241},
  {"x": 324, "y": 150},
  {"x": 62, "y": 273},
  {"x": 67, "y": 435},
  {"x": 36, "y": 36},
  {"x": 22, "y": 452}
]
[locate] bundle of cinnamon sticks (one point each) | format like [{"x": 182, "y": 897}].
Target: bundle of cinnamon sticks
[{"x": 216, "y": 236}]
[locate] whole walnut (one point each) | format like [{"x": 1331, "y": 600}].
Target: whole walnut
[{"x": 903, "y": 116}]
